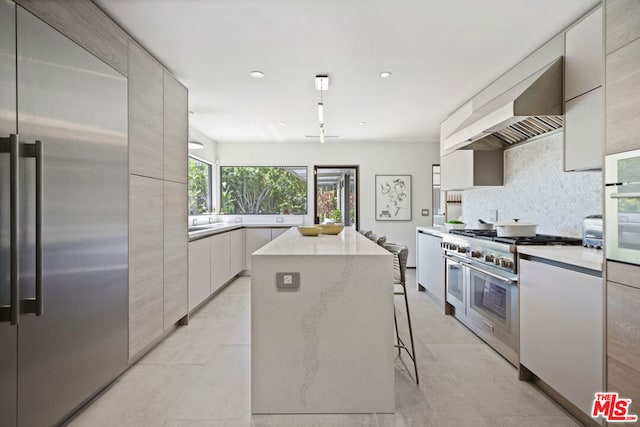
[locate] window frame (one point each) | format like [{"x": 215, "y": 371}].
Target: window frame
[
  {"x": 221, "y": 190},
  {"x": 210, "y": 170}
]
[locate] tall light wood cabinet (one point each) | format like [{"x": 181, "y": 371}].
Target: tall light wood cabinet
[
  {"x": 623, "y": 332},
  {"x": 158, "y": 136},
  {"x": 621, "y": 23},
  {"x": 622, "y": 103},
  {"x": 176, "y": 130},
  {"x": 176, "y": 242},
  {"x": 146, "y": 262},
  {"x": 146, "y": 153}
]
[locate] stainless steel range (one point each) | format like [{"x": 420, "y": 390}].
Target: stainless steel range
[{"x": 482, "y": 280}]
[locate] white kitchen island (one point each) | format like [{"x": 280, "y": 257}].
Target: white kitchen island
[{"x": 326, "y": 347}]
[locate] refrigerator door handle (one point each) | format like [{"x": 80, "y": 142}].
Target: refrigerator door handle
[
  {"x": 39, "y": 199},
  {"x": 11, "y": 313},
  {"x": 35, "y": 306}
]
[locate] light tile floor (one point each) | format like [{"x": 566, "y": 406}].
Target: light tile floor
[{"x": 200, "y": 376}]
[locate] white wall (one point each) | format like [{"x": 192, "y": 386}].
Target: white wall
[
  {"x": 537, "y": 190},
  {"x": 210, "y": 151},
  {"x": 374, "y": 158}
]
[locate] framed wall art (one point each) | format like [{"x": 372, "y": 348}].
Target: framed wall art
[{"x": 393, "y": 197}]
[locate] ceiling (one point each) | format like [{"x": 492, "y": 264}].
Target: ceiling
[{"x": 441, "y": 53}]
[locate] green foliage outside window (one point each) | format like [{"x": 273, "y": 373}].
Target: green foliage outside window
[
  {"x": 263, "y": 190},
  {"x": 199, "y": 187}
]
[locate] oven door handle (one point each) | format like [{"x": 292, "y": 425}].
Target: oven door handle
[
  {"x": 488, "y": 273},
  {"x": 459, "y": 260},
  {"x": 635, "y": 195}
]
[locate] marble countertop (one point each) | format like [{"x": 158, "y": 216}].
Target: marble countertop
[
  {"x": 573, "y": 255},
  {"x": 223, "y": 227},
  {"x": 348, "y": 242}
]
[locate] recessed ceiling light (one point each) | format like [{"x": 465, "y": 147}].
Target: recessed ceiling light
[
  {"x": 283, "y": 123},
  {"x": 195, "y": 145},
  {"x": 385, "y": 74},
  {"x": 256, "y": 74},
  {"x": 362, "y": 123}
]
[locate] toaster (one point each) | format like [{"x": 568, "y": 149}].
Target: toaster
[{"x": 592, "y": 231}]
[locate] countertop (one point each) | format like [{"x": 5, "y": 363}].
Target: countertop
[
  {"x": 573, "y": 255},
  {"x": 222, "y": 227},
  {"x": 348, "y": 242}
]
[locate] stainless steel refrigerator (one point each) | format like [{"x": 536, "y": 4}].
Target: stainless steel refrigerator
[{"x": 63, "y": 222}]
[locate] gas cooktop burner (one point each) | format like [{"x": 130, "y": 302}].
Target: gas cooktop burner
[{"x": 539, "y": 239}]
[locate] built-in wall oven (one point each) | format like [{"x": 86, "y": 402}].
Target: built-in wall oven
[{"x": 622, "y": 206}]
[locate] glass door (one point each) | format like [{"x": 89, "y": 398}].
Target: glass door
[
  {"x": 491, "y": 298},
  {"x": 336, "y": 195}
]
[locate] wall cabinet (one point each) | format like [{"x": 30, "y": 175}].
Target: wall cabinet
[
  {"x": 465, "y": 169},
  {"x": 622, "y": 17},
  {"x": 622, "y": 122},
  {"x": 176, "y": 243},
  {"x": 146, "y": 259},
  {"x": 583, "y": 97},
  {"x": 583, "y": 143},
  {"x": 430, "y": 265},
  {"x": 583, "y": 56},
  {"x": 561, "y": 329},
  {"x": 145, "y": 114}
]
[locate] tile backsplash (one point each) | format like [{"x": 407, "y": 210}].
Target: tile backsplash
[{"x": 537, "y": 190}]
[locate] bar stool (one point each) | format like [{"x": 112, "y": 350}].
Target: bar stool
[
  {"x": 401, "y": 253},
  {"x": 377, "y": 238}
]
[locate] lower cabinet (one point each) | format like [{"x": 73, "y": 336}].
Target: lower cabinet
[
  {"x": 220, "y": 260},
  {"x": 430, "y": 265},
  {"x": 213, "y": 261},
  {"x": 176, "y": 242},
  {"x": 199, "y": 272},
  {"x": 237, "y": 261},
  {"x": 623, "y": 343},
  {"x": 146, "y": 259},
  {"x": 561, "y": 330},
  {"x": 255, "y": 238}
]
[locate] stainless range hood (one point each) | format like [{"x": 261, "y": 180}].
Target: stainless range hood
[{"x": 532, "y": 107}]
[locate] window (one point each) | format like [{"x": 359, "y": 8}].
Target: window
[
  {"x": 263, "y": 190},
  {"x": 199, "y": 187}
]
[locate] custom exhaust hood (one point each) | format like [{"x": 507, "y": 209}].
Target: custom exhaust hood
[{"x": 532, "y": 107}]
